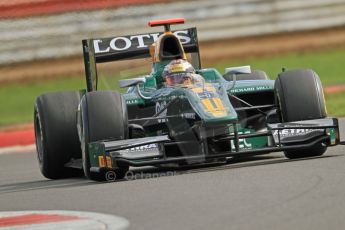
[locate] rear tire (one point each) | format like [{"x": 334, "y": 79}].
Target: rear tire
[
  {"x": 56, "y": 133},
  {"x": 300, "y": 97},
  {"x": 103, "y": 116}
]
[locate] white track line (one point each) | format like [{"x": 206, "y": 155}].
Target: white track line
[
  {"x": 18, "y": 149},
  {"x": 86, "y": 221}
]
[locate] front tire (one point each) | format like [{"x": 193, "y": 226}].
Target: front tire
[
  {"x": 103, "y": 116},
  {"x": 300, "y": 97},
  {"x": 56, "y": 133}
]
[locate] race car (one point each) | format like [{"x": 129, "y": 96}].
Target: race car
[{"x": 179, "y": 114}]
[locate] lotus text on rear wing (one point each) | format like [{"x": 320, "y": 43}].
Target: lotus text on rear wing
[{"x": 135, "y": 41}]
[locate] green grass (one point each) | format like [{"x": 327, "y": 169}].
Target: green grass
[
  {"x": 336, "y": 104},
  {"x": 17, "y": 100},
  {"x": 329, "y": 64}
]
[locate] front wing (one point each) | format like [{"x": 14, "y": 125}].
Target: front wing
[{"x": 148, "y": 150}]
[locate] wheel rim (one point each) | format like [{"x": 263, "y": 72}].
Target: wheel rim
[
  {"x": 85, "y": 159},
  {"x": 39, "y": 138}
]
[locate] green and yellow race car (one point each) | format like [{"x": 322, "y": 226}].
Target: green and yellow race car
[{"x": 179, "y": 113}]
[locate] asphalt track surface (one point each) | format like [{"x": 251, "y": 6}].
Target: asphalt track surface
[{"x": 262, "y": 192}]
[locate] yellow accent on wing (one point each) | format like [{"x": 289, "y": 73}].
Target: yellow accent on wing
[
  {"x": 219, "y": 103},
  {"x": 210, "y": 89},
  {"x": 206, "y": 89},
  {"x": 217, "y": 109},
  {"x": 197, "y": 90},
  {"x": 207, "y": 104}
]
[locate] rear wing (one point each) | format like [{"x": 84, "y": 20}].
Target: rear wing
[{"x": 131, "y": 47}]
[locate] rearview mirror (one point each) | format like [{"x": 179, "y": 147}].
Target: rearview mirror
[
  {"x": 238, "y": 70},
  {"x": 131, "y": 82}
]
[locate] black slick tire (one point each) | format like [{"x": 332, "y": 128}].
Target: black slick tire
[
  {"x": 103, "y": 116},
  {"x": 300, "y": 97},
  {"x": 56, "y": 133}
]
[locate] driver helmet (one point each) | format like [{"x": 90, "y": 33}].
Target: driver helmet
[{"x": 178, "y": 72}]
